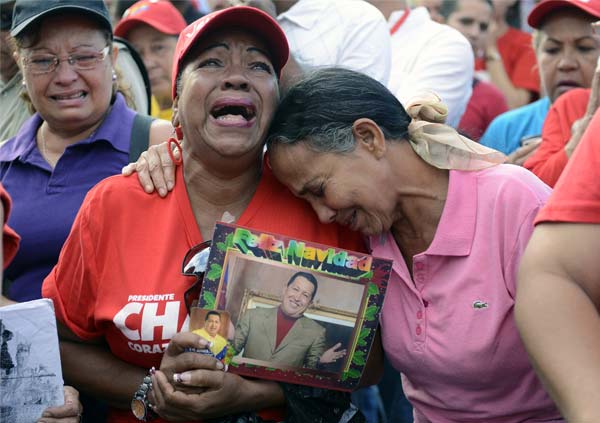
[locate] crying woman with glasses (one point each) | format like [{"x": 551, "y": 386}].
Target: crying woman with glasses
[{"x": 81, "y": 131}]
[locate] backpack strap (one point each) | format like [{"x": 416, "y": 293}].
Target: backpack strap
[{"x": 140, "y": 136}]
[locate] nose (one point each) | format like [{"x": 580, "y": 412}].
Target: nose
[
  {"x": 235, "y": 79},
  {"x": 568, "y": 60},
  {"x": 473, "y": 31},
  {"x": 325, "y": 214},
  {"x": 65, "y": 73}
]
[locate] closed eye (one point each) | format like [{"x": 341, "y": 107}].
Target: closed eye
[
  {"x": 208, "y": 63},
  {"x": 262, "y": 66}
]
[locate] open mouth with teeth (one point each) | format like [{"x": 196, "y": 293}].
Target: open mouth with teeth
[
  {"x": 234, "y": 113},
  {"x": 75, "y": 96}
]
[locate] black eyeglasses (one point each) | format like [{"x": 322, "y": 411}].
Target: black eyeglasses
[{"x": 194, "y": 264}]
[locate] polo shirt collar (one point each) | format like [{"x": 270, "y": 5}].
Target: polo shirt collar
[
  {"x": 455, "y": 232},
  {"x": 23, "y": 143},
  {"x": 304, "y": 13},
  {"x": 108, "y": 130}
]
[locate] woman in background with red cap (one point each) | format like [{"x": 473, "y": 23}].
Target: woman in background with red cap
[
  {"x": 561, "y": 133},
  {"x": 118, "y": 281},
  {"x": 152, "y": 27}
]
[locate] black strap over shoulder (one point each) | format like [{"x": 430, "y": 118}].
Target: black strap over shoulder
[{"x": 140, "y": 136}]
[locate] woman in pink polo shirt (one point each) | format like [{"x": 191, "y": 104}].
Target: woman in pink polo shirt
[{"x": 452, "y": 218}]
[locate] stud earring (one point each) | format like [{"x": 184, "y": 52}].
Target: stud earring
[{"x": 114, "y": 76}]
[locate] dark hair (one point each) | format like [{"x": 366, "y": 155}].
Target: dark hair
[
  {"x": 449, "y": 7},
  {"x": 212, "y": 313},
  {"x": 308, "y": 276},
  {"x": 322, "y": 108}
]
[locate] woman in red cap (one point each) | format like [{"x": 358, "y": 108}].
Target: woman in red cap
[
  {"x": 570, "y": 114},
  {"x": 152, "y": 27},
  {"x": 118, "y": 288}
]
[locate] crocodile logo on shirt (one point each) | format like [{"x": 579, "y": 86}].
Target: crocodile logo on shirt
[{"x": 477, "y": 305}]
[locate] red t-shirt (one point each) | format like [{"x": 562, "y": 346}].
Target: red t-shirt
[
  {"x": 119, "y": 273},
  {"x": 516, "y": 50},
  {"x": 485, "y": 104},
  {"x": 550, "y": 158},
  {"x": 576, "y": 197},
  {"x": 10, "y": 239}
]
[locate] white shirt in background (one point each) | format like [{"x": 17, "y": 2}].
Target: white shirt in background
[
  {"x": 428, "y": 56},
  {"x": 346, "y": 33}
]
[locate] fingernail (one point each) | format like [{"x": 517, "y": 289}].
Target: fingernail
[
  {"x": 148, "y": 188},
  {"x": 152, "y": 370},
  {"x": 177, "y": 377},
  {"x": 162, "y": 192},
  {"x": 204, "y": 343},
  {"x": 220, "y": 365},
  {"x": 170, "y": 185},
  {"x": 226, "y": 367},
  {"x": 185, "y": 377}
]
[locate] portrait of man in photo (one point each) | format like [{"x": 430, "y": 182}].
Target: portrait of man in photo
[
  {"x": 210, "y": 332},
  {"x": 283, "y": 334}
]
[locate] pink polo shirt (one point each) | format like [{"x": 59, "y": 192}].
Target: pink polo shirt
[{"x": 450, "y": 329}]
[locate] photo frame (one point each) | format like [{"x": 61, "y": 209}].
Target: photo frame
[{"x": 299, "y": 312}]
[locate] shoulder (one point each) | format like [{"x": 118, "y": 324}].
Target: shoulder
[
  {"x": 21, "y": 142},
  {"x": 525, "y": 117},
  {"x": 119, "y": 194},
  {"x": 573, "y": 100},
  {"x": 357, "y": 10},
  {"x": 516, "y": 37},
  {"x": 487, "y": 89},
  {"x": 510, "y": 185},
  {"x": 311, "y": 324},
  {"x": 261, "y": 312}
]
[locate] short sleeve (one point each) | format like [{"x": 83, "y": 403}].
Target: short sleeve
[
  {"x": 10, "y": 239},
  {"x": 72, "y": 283}
]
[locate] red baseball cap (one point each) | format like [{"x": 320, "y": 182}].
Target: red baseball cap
[
  {"x": 545, "y": 7},
  {"x": 251, "y": 19},
  {"x": 159, "y": 14}
]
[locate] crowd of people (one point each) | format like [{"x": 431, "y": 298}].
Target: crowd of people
[{"x": 442, "y": 135}]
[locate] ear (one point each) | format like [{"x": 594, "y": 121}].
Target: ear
[
  {"x": 17, "y": 59},
  {"x": 175, "y": 119},
  {"x": 368, "y": 135}
]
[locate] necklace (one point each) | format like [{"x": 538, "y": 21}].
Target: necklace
[{"x": 45, "y": 154}]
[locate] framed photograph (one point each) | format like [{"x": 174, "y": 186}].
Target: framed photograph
[{"x": 295, "y": 311}]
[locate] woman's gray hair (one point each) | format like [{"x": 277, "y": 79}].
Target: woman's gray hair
[{"x": 321, "y": 110}]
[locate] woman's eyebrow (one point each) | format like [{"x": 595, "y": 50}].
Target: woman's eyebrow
[
  {"x": 259, "y": 50},
  {"x": 214, "y": 46}
]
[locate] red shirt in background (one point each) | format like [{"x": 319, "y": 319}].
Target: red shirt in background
[
  {"x": 10, "y": 239},
  {"x": 550, "y": 158},
  {"x": 485, "y": 104},
  {"x": 576, "y": 197},
  {"x": 516, "y": 49}
]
